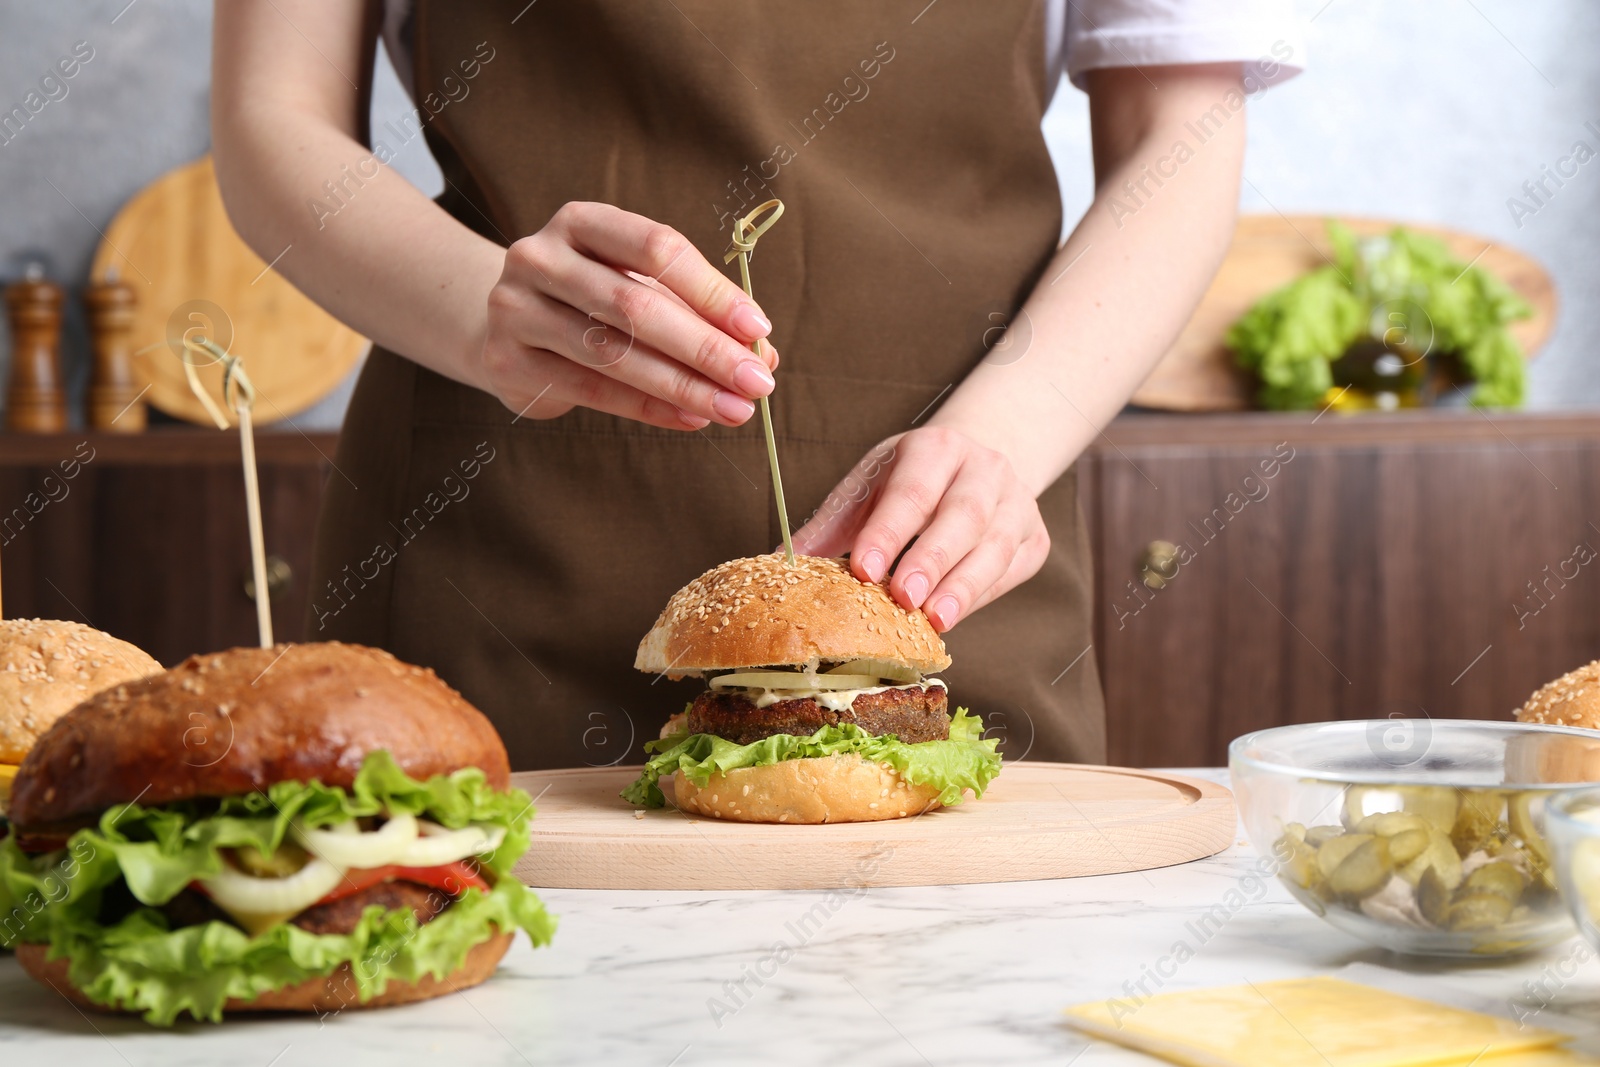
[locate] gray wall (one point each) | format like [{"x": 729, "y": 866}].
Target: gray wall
[{"x": 1432, "y": 110}]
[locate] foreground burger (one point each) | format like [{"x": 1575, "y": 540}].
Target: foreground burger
[
  {"x": 819, "y": 708},
  {"x": 46, "y": 667},
  {"x": 305, "y": 828}
]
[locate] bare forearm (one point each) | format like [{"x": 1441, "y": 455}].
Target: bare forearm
[
  {"x": 376, "y": 253},
  {"x": 1114, "y": 297}
]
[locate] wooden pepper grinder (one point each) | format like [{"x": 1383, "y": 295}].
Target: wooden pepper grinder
[
  {"x": 36, "y": 401},
  {"x": 114, "y": 386}
]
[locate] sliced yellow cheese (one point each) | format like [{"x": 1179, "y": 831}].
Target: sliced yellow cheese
[
  {"x": 8, "y": 771},
  {"x": 1307, "y": 1022}
]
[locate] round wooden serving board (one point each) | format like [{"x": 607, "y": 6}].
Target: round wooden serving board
[
  {"x": 1038, "y": 820},
  {"x": 174, "y": 244}
]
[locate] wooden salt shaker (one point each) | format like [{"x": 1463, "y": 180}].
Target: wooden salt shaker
[
  {"x": 36, "y": 401},
  {"x": 114, "y": 384}
]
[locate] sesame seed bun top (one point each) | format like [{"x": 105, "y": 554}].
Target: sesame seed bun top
[
  {"x": 762, "y": 612},
  {"x": 47, "y": 666},
  {"x": 1571, "y": 700}
]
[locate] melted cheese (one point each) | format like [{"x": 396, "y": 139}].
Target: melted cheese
[
  {"x": 8, "y": 771},
  {"x": 832, "y": 699},
  {"x": 1312, "y": 1022}
]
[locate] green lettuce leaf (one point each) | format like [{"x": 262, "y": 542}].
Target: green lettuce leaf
[
  {"x": 965, "y": 761},
  {"x": 1290, "y": 337},
  {"x": 152, "y": 853},
  {"x": 140, "y": 965}
]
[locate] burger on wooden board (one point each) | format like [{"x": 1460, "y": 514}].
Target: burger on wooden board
[
  {"x": 302, "y": 828},
  {"x": 820, "y": 706},
  {"x": 1571, "y": 700},
  {"x": 46, "y": 667}
]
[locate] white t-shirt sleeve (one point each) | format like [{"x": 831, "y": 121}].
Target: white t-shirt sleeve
[{"x": 1263, "y": 36}]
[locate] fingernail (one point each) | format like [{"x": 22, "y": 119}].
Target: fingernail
[
  {"x": 694, "y": 422},
  {"x": 749, "y": 322},
  {"x": 732, "y": 407},
  {"x": 752, "y": 378},
  {"x": 872, "y": 563},
  {"x": 916, "y": 587},
  {"x": 945, "y": 611}
]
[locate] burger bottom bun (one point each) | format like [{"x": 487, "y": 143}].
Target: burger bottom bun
[
  {"x": 334, "y": 993},
  {"x": 841, "y": 788}
]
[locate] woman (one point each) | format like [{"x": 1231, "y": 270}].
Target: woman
[{"x": 554, "y": 430}]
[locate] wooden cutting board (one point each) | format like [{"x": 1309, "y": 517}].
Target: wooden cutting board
[
  {"x": 1038, "y": 820},
  {"x": 1268, "y": 252},
  {"x": 174, "y": 245}
]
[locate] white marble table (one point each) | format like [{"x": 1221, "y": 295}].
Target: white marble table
[{"x": 945, "y": 975}]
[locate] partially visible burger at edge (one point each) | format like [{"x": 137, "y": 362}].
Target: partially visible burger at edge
[
  {"x": 303, "y": 828},
  {"x": 821, "y": 703},
  {"x": 47, "y": 666}
]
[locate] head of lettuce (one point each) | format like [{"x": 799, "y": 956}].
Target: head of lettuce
[
  {"x": 304, "y": 828},
  {"x": 1404, "y": 289}
]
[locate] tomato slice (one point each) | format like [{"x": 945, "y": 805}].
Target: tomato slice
[{"x": 454, "y": 878}]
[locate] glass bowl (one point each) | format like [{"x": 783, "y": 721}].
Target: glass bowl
[
  {"x": 1572, "y": 824},
  {"x": 1425, "y": 836}
]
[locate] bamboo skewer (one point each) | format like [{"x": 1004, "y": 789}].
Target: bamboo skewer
[
  {"x": 258, "y": 545},
  {"x": 745, "y": 234},
  {"x": 240, "y": 396}
]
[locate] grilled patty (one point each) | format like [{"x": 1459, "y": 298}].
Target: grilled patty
[
  {"x": 341, "y": 916},
  {"x": 190, "y": 908},
  {"x": 912, "y": 715}
]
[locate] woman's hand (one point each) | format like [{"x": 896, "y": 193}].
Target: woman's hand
[
  {"x": 977, "y": 529},
  {"x": 608, "y": 310}
]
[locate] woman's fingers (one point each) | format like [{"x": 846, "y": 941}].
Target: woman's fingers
[
  {"x": 998, "y": 557},
  {"x": 973, "y": 530},
  {"x": 629, "y": 300},
  {"x": 964, "y": 518},
  {"x": 632, "y": 242},
  {"x": 610, "y": 297},
  {"x": 548, "y": 384},
  {"x": 832, "y": 530},
  {"x": 631, "y": 361},
  {"x": 1030, "y": 557},
  {"x": 925, "y": 464}
]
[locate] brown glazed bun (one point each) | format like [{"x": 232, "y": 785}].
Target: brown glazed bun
[
  {"x": 1571, "y": 700},
  {"x": 761, "y": 612},
  {"x": 47, "y": 666},
  {"x": 321, "y": 995},
  {"x": 233, "y": 722},
  {"x": 842, "y": 788}
]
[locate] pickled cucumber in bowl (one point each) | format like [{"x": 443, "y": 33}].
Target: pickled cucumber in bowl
[
  {"x": 1574, "y": 830},
  {"x": 1433, "y": 837},
  {"x": 1469, "y": 863}
]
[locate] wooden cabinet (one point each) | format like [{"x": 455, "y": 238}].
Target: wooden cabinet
[
  {"x": 1439, "y": 564},
  {"x": 144, "y": 536},
  {"x": 1442, "y": 563}
]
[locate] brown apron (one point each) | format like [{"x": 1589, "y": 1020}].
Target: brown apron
[{"x": 524, "y": 559}]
